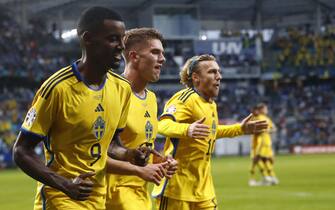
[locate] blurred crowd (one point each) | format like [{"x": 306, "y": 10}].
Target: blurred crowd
[
  {"x": 14, "y": 104},
  {"x": 27, "y": 52},
  {"x": 302, "y": 52},
  {"x": 304, "y": 113}
]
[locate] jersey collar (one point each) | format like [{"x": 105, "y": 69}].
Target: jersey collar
[{"x": 81, "y": 79}]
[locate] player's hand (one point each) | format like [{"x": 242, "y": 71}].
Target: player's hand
[
  {"x": 153, "y": 172},
  {"x": 81, "y": 187},
  {"x": 253, "y": 127},
  {"x": 137, "y": 157},
  {"x": 140, "y": 156},
  {"x": 198, "y": 130},
  {"x": 172, "y": 166}
]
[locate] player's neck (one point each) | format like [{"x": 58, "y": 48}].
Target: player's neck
[
  {"x": 92, "y": 74},
  {"x": 138, "y": 85},
  {"x": 202, "y": 95}
]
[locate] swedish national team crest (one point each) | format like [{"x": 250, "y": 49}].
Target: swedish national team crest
[
  {"x": 148, "y": 130},
  {"x": 99, "y": 128},
  {"x": 213, "y": 127}
]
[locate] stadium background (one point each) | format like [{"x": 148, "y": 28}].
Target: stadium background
[{"x": 280, "y": 52}]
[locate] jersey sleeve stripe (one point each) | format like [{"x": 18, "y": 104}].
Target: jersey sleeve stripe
[
  {"x": 187, "y": 96},
  {"x": 34, "y": 135},
  {"x": 43, "y": 197},
  {"x": 167, "y": 115},
  {"x": 118, "y": 76},
  {"x": 184, "y": 93},
  {"x": 52, "y": 80},
  {"x": 54, "y": 84}
]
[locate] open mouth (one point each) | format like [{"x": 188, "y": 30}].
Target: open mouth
[{"x": 158, "y": 67}]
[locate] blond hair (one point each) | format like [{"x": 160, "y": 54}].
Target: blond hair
[{"x": 191, "y": 66}]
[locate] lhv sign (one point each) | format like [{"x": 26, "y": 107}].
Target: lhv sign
[{"x": 219, "y": 47}]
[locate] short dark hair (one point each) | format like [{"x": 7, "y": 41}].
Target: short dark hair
[
  {"x": 140, "y": 35},
  {"x": 92, "y": 19},
  {"x": 136, "y": 35}
]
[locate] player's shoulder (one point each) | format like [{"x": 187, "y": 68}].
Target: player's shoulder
[
  {"x": 150, "y": 94},
  {"x": 60, "y": 79},
  {"x": 185, "y": 95},
  {"x": 117, "y": 78}
]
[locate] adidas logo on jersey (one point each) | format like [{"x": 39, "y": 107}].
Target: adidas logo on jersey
[
  {"x": 99, "y": 108},
  {"x": 146, "y": 114}
]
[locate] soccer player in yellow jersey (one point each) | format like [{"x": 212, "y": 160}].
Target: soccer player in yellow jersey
[
  {"x": 254, "y": 158},
  {"x": 190, "y": 120},
  {"x": 262, "y": 149},
  {"x": 76, "y": 113},
  {"x": 144, "y": 55}
]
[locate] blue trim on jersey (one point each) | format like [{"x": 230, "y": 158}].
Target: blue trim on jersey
[
  {"x": 169, "y": 115},
  {"x": 47, "y": 146},
  {"x": 43, "y": 197},
  {"x": 175, "y": 143},
  {"x": 162, "y": 192},
  {"x": 119, "y": 130},
  {"x": 80, "y": 78},
  {"x": 32, "y": 134},
  {"x": 139, "y": 97}
]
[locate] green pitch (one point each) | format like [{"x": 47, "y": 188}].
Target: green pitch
[{"x": 306, "y": 183}]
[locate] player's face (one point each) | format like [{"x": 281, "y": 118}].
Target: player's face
[
  {"x": 150, "y": 60},
  {"x": 108, "y": 44},
  {"x": 264, "y": 110},
  {"x": 208, "y": 78}
]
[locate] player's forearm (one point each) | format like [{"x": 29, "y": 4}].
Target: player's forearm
[
  {"x": 31, "y": 164},
  {"x": 121, "y": 167},
  {"x": 229, "y": 131},
  {"x": 172, "y": 129},
  {"x": 116, "y": 149}
]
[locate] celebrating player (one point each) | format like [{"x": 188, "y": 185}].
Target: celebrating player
[
  {"x": 76, "y": 113},
  {"x": 144, "y": 54},
  {"x": 190, "y": 121}
]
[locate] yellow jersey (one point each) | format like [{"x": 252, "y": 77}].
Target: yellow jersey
[
  {"x": 77, "y": 124},
  {"x": 193, "y": 180},
  {"x": 263, "y": 139},
  {"x": 141, "y": 127}
]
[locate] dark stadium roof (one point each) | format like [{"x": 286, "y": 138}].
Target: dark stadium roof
[{"x": 236, "y": 10}]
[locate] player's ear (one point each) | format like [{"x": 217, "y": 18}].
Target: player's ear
[
  {"x": 195, "y": 77},
  {"x": 133, "y": 55},
  {"x": 86, "y": 37}
]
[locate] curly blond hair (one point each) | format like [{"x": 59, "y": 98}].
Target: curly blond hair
[{"x": 191, "y": 66}]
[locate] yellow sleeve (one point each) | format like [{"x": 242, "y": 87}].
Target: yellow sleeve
[
  {"x": 42, "y": 113},
  {"x": 172, "y": 129},
  {"x": 125, "y": 99},
  {"x": 177, "y": 110},
  {"x": 229, "y": 131}
]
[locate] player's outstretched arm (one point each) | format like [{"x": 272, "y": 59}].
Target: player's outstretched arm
[
  {"x": 198, "y": 130},
  {"x": 253, "y": 127},
  {"x": 25, "y": 157},
  {"x": 170, "y": 128}
]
